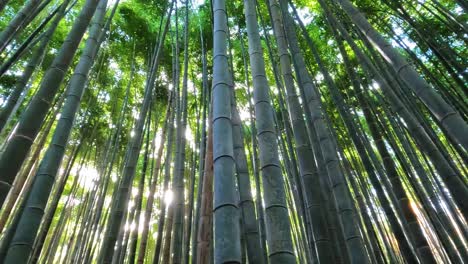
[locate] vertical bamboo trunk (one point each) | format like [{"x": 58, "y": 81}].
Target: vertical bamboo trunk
[
  {"x": 304, "y": 152},
  {"x": 31, "y": 120},
  {"x": 139, "y": 199},
  {"x": 189, "y": 208},
  {"x": 249, "y": 221},
  {"x": 24, "y": 179},
  {"x": 254, "y": 159},
  {"x": 278, "y": 228},
  {"x": 403, "y": 202},
  {"x": 177, "y": 252},
  {"x": 447, "y": 172},
  {"x": 20, "y": 247},
  {"x": 342, "y": 197},
  {"x": 116, "y": 222},
  {"x": 22, "y": 82},
  {"x": 204, "y": 101},
  {"x": 30, "y": 171},
  {"x": 456, "y": 127},
  {"x": 227, "y": 247},
  {"x": 166, "y": 252},
  {"x": 39, "y": 243},
  {"x": 404, "y": 205},
  {"x": 152, "y": 191},
  {"x": 16, "y": 23},
  {"x": 206, "y": 206},
  {"x": 162, "y": 203},
  {"x": 31, "y": 40}
]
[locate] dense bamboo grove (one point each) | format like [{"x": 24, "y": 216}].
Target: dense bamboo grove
[{"x": 271, "y": 131}]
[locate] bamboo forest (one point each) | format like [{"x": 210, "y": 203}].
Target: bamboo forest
[{"x": 254, "y": 131}]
